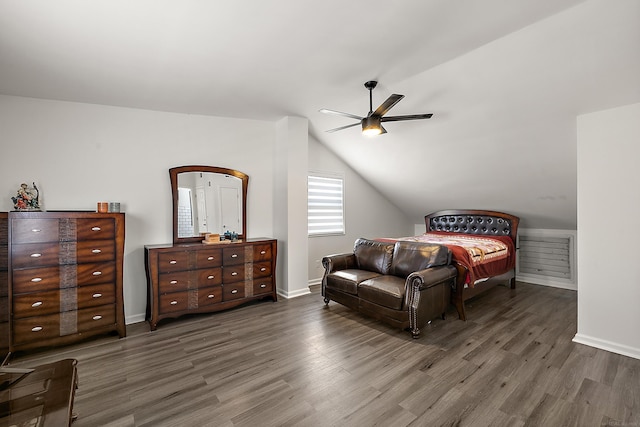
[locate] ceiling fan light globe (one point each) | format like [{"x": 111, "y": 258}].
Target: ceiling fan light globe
[{"x": 371, "y": 126}]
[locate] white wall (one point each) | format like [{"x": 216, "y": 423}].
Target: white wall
[
  {"x": 79, "y": 154},
  {"x": 367, "y": 213},
  {"x": 608, "y": 206}
]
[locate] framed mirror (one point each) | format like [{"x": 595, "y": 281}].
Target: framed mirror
[{"x": 208, "y": 199}]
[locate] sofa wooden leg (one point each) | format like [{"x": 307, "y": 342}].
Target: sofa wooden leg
[
  {"x": 326, "y": 300},
  {"x": 415, "y": 333}
]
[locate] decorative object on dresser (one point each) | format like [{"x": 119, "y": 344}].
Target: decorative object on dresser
[
  {"x": 65, "y": 277},
  {"x": 197, "y": 274},
  {"x": 27, "y": 198}
]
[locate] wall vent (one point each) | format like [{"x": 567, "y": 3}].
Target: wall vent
[{"x": 547, "y": 257}]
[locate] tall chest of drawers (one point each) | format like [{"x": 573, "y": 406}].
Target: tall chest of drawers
[
  {"x": 4, "y": 283},
  {"x": 65, "y": 277},
  {"x": 199, "y": 278}
]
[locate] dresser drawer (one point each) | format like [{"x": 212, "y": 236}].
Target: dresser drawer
[
  {"x": 31, "y": 280},
  {"x": 40, "y": 304},
  {"x": 208, "y": 296},
  {"x": 94, "y": 273},
  {"x": 209, "y": 258},
  {"x": 30, "y": 230},
  {"x": 173, "y": 282},
  {"x": 173, "y": 261},
  {"x": 35, "y": 254},
  {"x": 262, "y": 269},
  {"x": 33, "y": 230},
  {"x": 232, "y": 291},
  {"x": 177, "y": 301},
  {"x": 232, "y": 256},
  {"x": 96, "y": 317},
  {"x": 233, "y": 273},
  {"x": 33, "y": 329},
  {"x": 209, "y": 277},
  {"x": 95, "y": 229},
  {"x": 95, "y": 295},
  {"x": 95, "y": 251},
  {"x": 4, "y": 311},
  {"x": 262, "y": 252},
  {"x": 263, "y": 286}
]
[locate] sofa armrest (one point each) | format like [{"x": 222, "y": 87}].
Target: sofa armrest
[
  {"x": 338, "y": 262},
  {"x": 423, "y": 279}
]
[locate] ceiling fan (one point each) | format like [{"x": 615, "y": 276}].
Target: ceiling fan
[{"x": 372, "y": 123}]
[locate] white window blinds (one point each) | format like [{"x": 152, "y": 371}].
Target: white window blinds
[{"x": 325, "y": 205}]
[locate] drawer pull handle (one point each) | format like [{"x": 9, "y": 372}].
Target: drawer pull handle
[
  {"x": 36, "y": 304},
  {"x": 234, "y": 256},
  {"x": 36, "y": 279},
  {"x": 210, "y": 258},
  {"x": 263, "y": 252},
  {"x": 235, "y": 273},
  {"x": 262, "y": 285},
  {"x": 211, "y": 296},
  {"x": 96, "y": 251},
  {"x": 235, "y": 291},
  {"x": 97, "y": 273},
  {"x": 97, "y": 317},
  {"x": 36, "y": 329},
  {"x": 36, "y": 255},
  {"x": 173, "y": 282},
  {"x": 211, "y": 277},
  {"x": 96, "y": 295},
  {"x": 263, "y": 269},
  {"x": 174, "y": 302},
  {"x": 173, "y": 261},
  {"x": 36, "y": 230},
  {"x": 95, "y": 228}
]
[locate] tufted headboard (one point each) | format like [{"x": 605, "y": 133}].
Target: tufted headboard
[{"x": 467, "y": 221}]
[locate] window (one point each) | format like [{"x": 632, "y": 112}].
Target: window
[{"x": 325, "y": 205}]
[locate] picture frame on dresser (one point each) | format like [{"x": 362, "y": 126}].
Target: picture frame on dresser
[
  {"x": 195, "y": 274},
  {"x": 64, "y": 277}
]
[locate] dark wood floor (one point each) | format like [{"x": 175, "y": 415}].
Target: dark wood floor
[{"x": 295, "y": 362}]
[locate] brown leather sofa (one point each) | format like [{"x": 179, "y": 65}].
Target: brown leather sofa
[{"x": 405, "y": 284}]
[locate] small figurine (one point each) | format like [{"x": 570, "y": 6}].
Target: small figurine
[{"x": 26, "y": 198}]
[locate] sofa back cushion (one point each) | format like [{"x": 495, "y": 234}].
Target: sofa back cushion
[
  {"x": 373, "y": 256},
  {"x": 412, "y": 256}
]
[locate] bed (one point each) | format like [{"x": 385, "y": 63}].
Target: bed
[{"x": 483, "y": 247}]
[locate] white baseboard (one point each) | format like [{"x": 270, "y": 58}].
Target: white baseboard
[
  {"x": 607, "y": 345},
  {"x": 317, "y": 281},
  {"x": 538, "y": 280},
  {"x": 136, "y": 318},
  {"x": 293, "y": 294}
]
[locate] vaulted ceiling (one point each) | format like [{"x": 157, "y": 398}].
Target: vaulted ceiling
[{"x": 505, "y": 80}]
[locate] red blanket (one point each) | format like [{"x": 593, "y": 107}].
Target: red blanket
[{"x": 482, "y": 256}]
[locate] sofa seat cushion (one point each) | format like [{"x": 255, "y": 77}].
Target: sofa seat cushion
[
  {"x": 348, "y": 280},
  {"x": 387, "y": 291}
]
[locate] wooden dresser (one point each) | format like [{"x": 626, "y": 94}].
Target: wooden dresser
[
  {"x": 199, "y": 278},
  {"x": 4, "y": 283},
  {"x": 65, "y": 277}
]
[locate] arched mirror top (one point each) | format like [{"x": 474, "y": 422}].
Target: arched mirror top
[{"x": 208, "y": 199}]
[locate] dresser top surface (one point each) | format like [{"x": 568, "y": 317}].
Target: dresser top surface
[{"x": 250, "y": 241}]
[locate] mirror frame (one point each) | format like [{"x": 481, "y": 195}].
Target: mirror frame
[{"x": 173, "y": 174}]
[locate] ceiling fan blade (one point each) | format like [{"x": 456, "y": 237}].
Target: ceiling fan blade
[
  {"x": 340, "y": 113},
  {"x": 386, "y": 105},
  {"x": 407, "y": 117},
  {"x": 342, "y": 127}
]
